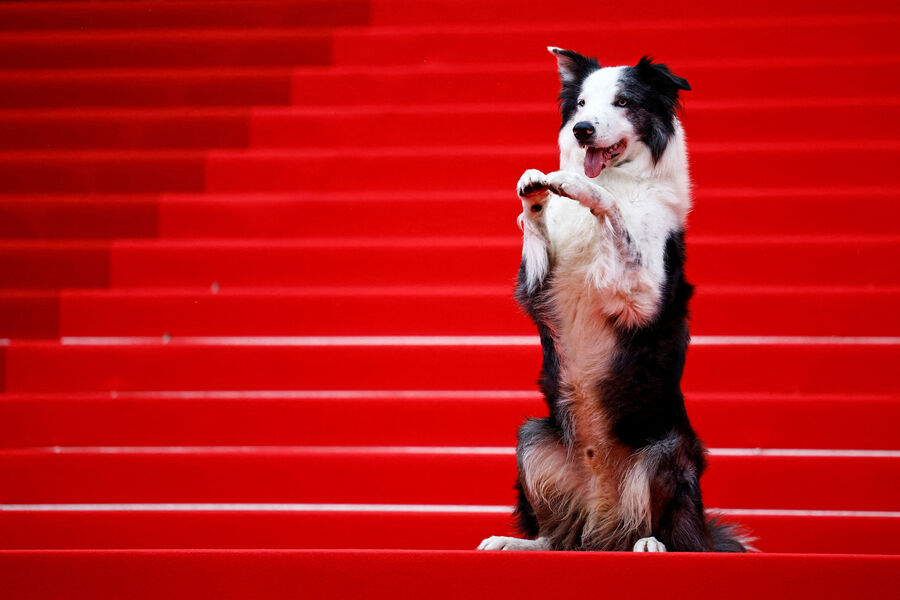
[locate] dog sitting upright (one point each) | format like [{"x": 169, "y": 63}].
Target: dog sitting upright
[{"x": 616, "y": 465}]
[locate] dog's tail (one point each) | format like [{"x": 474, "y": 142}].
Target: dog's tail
[{"x": 728, "y": 537}]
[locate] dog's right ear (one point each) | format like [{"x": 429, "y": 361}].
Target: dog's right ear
[{"x": 573, "y": 67}]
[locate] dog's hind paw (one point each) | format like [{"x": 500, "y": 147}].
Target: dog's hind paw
[
  {"x": 649, "y": 544},
  {"x": 502, "y": 542}
]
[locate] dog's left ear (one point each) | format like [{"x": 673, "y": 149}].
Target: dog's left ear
[
  {"x": 660, "y": 77},
  {"x": 573, "y": 67}
]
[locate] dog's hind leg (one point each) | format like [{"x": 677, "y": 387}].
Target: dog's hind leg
[
  {"x": 679, "y": 518},
  {"x": 528, "y": 525},
  {"x": 546, "y": 486},
  {"x": 683, "y": 523},
  {"x": 527, "y": 519}
]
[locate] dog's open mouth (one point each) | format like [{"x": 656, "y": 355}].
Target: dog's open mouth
[{"x": 597, "y": 159}]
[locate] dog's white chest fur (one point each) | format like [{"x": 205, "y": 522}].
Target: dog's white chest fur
[
  {"x": 589, "y": 276},
  {"x": 597, "y": 282}
]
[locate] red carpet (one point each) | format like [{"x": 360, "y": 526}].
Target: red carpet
[{"x": 256, "y": 263}]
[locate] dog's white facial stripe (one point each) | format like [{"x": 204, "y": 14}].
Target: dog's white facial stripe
[
  {"x": 600, "y": 88},
  {"x": 599, "y": 92}
]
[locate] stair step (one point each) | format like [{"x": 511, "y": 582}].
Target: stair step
[
  {"x": 183, "y": 14},
  {"x": 121, "y": 128},
  {"x": 722, "y": 420},
  {"x": 782, "y": 77},
  {"x": 401, "y": 475},
  {"x": 212, "y": 264},
  {"x": 308, "y": 215},
  {"x": 84, "y": 216},
  {"x": 530, "y": 12},
  {"x": 712, "y": 165},
  {"x": 424, "y": 169},
  {"x": 412, "y": 85},
  {"x": 684, "y": 39},
  {"x": 268, "y": 13},
  {"x": 624, "y": 41},
  {"x": 463, "y": 310},
  {"x": 146, "y": 87},
  {"x": 815, "y": 365},
  {"x": 235, "y": 47},
  {"x": 398, "y": 125},
  {"x": 97, "y": 171},
  {"x": 536, "y": 123},
  {"x": 341, "y": 574},
  {"x": 394, "y": 527}
]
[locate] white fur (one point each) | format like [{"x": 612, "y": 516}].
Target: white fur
[
  {"x": 502, "y": 542},
  {"x": 649, "y": 544},
  {"x": 634, "y": 495}
]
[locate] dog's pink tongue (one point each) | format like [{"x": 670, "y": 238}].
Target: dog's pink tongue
[{"x": 594, "y": 162}]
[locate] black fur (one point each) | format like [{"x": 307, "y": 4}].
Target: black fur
[
  {"x": 533, "y": 303},
  {"x": 726, "y": 536},
  {"x": 574, "y": 69},
  {"x": 525, "y": 519},
  {"x": 651, "y": 91},
  {"x": 642, "y": 392}
]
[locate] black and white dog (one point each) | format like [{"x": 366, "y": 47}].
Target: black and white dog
[{"x": 616, "y": 465}]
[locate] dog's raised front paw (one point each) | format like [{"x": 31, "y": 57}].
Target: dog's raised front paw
[
  {"x": 532, "y": 189},
  {"x": 649, "y": 544}
]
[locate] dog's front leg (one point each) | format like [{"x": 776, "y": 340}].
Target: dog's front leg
[
  {"x": 532, "y": 190},
  {"x": 635, "y": 292},
  {"x": 602, "y": 205},
  {"x": 579, "y": 188}
]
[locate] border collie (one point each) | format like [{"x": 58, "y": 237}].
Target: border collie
[{"x": 616, "y": 465}]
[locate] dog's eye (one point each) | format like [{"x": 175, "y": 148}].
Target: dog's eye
[
  {"x": 621, "y": 102},
  {"x": 581, "y": 103}
]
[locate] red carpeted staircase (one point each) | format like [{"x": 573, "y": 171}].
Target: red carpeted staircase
[{"x": 256, "y": 263}]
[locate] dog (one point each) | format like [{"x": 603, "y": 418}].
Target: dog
[{"x": 616, "y": 464}]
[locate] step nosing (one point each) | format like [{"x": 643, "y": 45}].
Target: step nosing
[
  {"x": 391, "y": 508},
  {"x": 453, "y": 340}
]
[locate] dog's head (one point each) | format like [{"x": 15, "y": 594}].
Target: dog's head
[{"x": 615, "y": 113}]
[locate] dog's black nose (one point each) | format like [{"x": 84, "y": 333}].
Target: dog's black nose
[{"x": 583, "y": 131}]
